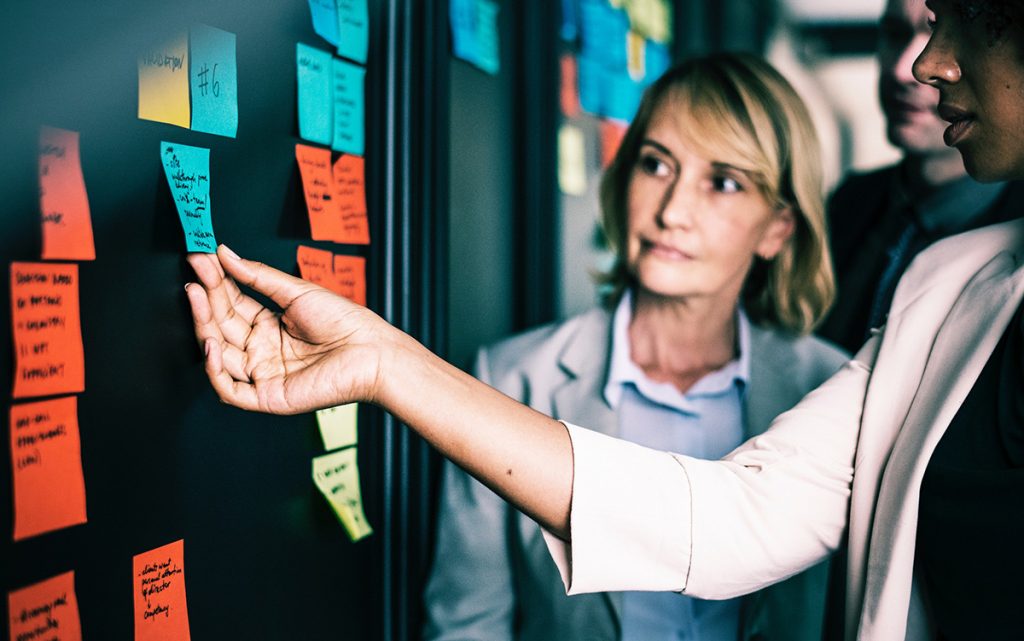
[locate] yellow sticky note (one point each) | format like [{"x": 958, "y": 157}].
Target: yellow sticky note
[
  {"x": 572, "y": 171},
  {"x": 651, "y": 18},
  {"x": 163, "y": 82},
  {"x": 337, "y": 476},
  {"x": 338, "y": 426}
]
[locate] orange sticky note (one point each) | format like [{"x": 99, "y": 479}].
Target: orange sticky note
[
  {"x": 63, "y": 203},
  {"x": 569, "y": 94},
  {"x": 45, "y": 610},
  {"x": 161, "y": 613},
  {"x": 316, "y": 266},
  {"x": 350, "y": 188},
  {"x": 612, "y": 134},
  {"x": 318, "y": 185},
  {"x": 350, "y": 274},
  {"x": 48, "y": 354},
  {"x": 46, "y": 457}
]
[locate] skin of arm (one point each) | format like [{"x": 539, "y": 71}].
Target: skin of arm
[{"x": 322, "y": 350}]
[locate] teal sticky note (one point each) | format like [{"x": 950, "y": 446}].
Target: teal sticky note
[
  {"x": 353, "y": 29},
  {"x": 325, "y": 19},
  {"x": 316, "y": 111},
  {"x": 188, "y": 174},
  {"x": 488, "y": 50},
  {"x": 462, "y": 18},
  {"x": 213, "y": 81},
  {"x": 347, "y": 93}
]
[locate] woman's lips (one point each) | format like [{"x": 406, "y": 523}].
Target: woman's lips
[
  {"x": 666, "y": 252},
  {"x": 961, "y": 122}
]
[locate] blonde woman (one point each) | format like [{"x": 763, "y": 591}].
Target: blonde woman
[{"x": 721, "y": 272}]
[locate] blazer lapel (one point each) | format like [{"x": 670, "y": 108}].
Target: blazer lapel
[{"x": 963, "y": 344}]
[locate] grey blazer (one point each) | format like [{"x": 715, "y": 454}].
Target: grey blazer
[{"x": 493, "y": 578}]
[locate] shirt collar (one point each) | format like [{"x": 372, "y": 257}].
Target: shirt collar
[
  {"x": 952, "y": 207},
  {"x": 622, "y": 371}
]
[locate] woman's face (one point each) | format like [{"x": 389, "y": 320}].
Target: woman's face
[
  {"x": 695, "y": 224},
  {"x": 980, "y": 78}
]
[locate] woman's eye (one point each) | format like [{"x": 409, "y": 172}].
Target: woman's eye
[
  {"x": 654, "y": 166},
  {"x": 726, "y": 185}
]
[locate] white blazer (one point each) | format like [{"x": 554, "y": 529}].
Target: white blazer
[{"x": 851, "y": 454}]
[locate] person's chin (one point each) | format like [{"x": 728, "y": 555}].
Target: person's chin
[{"x": 986, "y": 165}]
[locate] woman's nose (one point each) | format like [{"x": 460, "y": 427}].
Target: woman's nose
[
  {"x": 937, "y": 65},
  {"x": 677, "y": 207}
]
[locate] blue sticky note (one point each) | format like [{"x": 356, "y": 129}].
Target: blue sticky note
[
  {"x": 347, "y": 82},
  {"x": 488, "y": 49},
  {"x": 213, "y": 81},
  {"x": 622, "y": 97},
  {"x": 316, "y": 111},
  {"x": 591, "y": 85},
  {"x": 603, "y": 33},
  {"x": 325, "y": 19},
  {"x": 188, "y": 175},
  {"x": 353, "y": 29},
  {"x": 570, "y": 20},
  {"x": 657, "y": 59},
  {"x": 462, "y": 17}
]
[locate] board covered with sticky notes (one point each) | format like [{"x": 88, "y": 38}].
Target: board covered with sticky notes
[{"x": 136, "y": 505}]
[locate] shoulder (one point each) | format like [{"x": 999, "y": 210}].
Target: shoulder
[{"x": 808, "y": 359}]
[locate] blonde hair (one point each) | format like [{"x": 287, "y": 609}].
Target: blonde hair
[{"x": 736, "y": 108}]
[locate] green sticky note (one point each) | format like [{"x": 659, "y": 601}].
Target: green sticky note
[
  {"x": 488, "y": 50},
  {"x": 353, "y": 29},
  {"x": 347, "y": 93},
  {"x": 213, "y": 81},
  {"x": 338, "y": 425},
  {"x": 316, "y": 111},
  {"x": 188, "y": 174},
  {"x": 337, "y": 477}
]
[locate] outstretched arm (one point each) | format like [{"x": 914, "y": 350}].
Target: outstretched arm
[{"x": 321, "y": 350}]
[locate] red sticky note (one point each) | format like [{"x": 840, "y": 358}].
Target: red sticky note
[
  {"x": 316, "y": 266},
  {"x": 318, "y": 185},
  {"x": 350, "y": 190},
  {"x": 46, "y": 457},
  {"x": 45, "y": 610},
  {"x": 569, "y": 96},
  {"x": 350, "y": 274},
  {"x": 48, "y": 354},
  {"x": 67, "y": 224},
  {"x": 161, "y": 613},
  {"x": 612, "y": 134}
]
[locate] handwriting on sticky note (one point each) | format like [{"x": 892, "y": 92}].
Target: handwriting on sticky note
[
  {"x": 337, "y": 477},
  {"x": 316, "y": 111},
  {"x": 163, "y": 82},
  {"x": 348, "y": 96},
  {"x": 188, "y": 175},
  {"x": 350, "y": 191},
  {"x": 316, "y": 266},
  {"x": 46, "y": 457},
  {"x": 353, "y": 29},
  {"x": 48, "y": 354},
  {"x": 161, "y": 612},
  {"x": 318, "y": 187},
  {"x": 350, "y": 276},
  {"x": 67, "y": 225},
  {"x": 214, "y": 81},
  {"x": 47, "y": 610},
  {"x": 338, "y": 425}
]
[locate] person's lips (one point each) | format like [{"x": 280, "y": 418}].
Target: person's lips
[
  {"x": 665, "y": 251},
  {"x": 960, "y": 122}
]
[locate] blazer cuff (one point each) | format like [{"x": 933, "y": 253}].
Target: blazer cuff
[{"x": 630, "y": 526}]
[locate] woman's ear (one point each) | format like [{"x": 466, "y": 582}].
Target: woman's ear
[{"x": 778, "y": 232}]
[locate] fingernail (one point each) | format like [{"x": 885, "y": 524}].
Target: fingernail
[
  {"x": 227, "y": 250},
  {"x": 186, "y": 286}
]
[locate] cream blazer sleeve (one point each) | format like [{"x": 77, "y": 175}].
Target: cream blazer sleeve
[{"x": 648, "y": 520}]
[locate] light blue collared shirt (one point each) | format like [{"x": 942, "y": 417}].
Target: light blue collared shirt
[{"x": 705, "y": 422}]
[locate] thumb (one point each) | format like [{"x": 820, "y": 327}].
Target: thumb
[{"x": 273, "y": 283}]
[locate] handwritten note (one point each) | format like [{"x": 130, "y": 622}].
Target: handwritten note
[
  {"x": 163, "y": 82},
  {"x": 318, "y": 187},
  {"x": 325, "y": 19},
  {"x": 348, "y": 95},
  {"x": 161, "y": 613},
  {"x": 316, "y": 266},
  {"x": 188, "y": 174},
  {"x": 49, "y": 488},
  {"x": 48, "y": 354},
  {"x": 350, "y": 192},
  {"x": 45, "y": 611},
  {"x": 353, "y": 29},
  {"x": 214, "y": 81},
  {"x": 350, "y": 276},
  {"x": 338, "y": 425},
  {"x": 612, "y": 134},
  {"x": 67, "y": 226},
  {"x": 337, "y": 476},
  {"x": 572, "y": 171},
  {"x": 316, "y": 111}
]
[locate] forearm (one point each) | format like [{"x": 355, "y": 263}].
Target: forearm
[{"x": 521, "y": 454}]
